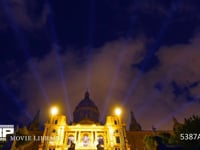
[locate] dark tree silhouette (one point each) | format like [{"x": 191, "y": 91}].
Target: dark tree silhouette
[{"x": 185, "y": 134}]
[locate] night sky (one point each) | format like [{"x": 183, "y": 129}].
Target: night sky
[{"x": 142, "y": 55}]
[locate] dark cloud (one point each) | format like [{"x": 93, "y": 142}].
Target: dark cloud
[
  {"x": 178, "y": 63},
  {"x": 75, "y": 74},
  {"x": 147, "y": 63},
  {"x": 30, "y": 15},
  {"x": 99, "y": 26},
  {"x": 104, "y": 20}
]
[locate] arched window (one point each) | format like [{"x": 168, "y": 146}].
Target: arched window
[
  {"x": 115, "y": 122},
  {"x": 54, "y": 131},
  {"x": 100, "y": 140},
  {"x": 86, "y": 140},
  {"x": 70, "y": 139}
]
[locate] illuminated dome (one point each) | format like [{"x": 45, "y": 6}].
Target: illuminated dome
[{"x": 86, "y": 111}]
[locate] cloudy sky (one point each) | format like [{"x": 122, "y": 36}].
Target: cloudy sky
[{"x": 138, "y": 54}]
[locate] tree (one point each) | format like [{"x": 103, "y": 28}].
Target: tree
[
  {"x": 165, "y": 136},
  {"x": 185, "y": 133},
  {"x": 150, "y": 142}
]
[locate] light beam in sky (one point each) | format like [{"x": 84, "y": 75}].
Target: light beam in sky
[
  {"x": 120, "y": 59},
  {"x": 91, "y": 24},
  {"x": 56, "y": 47},
  {"x": 169, "y": 117},
  {"x": 22, "y": 44},
  {"x": 15, "y": 100},
  {"x": 151, "y": 51}
]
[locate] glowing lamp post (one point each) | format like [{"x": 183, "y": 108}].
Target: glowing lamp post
[
  {"x": 118, "y": 111},
  {"x": 54, "y": 111}
]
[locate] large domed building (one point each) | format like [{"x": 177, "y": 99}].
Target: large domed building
[
  {"x": 85, "y": 132},
  {"x": 86, "y": 111}
]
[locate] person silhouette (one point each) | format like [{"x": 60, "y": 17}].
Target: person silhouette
[
  {"x": 100, "y": 146},
  {"x": 72, "y": 146}
]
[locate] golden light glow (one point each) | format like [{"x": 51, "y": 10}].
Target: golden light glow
[
  {"x": 118, "y": 111},
  {"x": 54, "y": 111}
]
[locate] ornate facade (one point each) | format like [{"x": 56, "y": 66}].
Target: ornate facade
[{"x": 86, "y": 132}]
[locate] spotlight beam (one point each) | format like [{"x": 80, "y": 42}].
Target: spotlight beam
[
  {"x": 24, "y": 47},
  {"x": 15, "y": 100},
  {"x": 169, "y": 117},
  {"x": 152, "y": 50},
  {"x": 121, "y": 58},
  {"x": 152, "y": 98},
  {"x": 146, "y": 104},
  {"x": 63, "y": 82},
  {"x": 91, "y": 22},
  {"x": 58, "y": 60}
]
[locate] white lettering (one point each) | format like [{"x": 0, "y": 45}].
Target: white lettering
[
  {"x": 7, "y": 131},
  {"x": 20, "y": 138}
]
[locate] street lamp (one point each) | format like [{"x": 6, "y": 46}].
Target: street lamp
[
  {"x": 118, "y": 111},
  {"x": 54, "y": 111}
]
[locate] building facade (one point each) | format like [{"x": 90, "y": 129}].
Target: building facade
[{"x": 85, "y": 132}]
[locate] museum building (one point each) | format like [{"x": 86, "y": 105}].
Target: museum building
[{"x": 85, "y": 132}]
